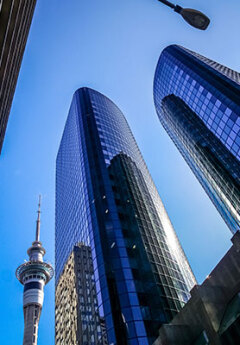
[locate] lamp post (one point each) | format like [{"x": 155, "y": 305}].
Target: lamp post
[{"x": 193, "y": 17}]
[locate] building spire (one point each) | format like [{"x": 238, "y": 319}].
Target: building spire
[
  {"x": 38, "y": 220},
  {"x": 34, "y": 275}
]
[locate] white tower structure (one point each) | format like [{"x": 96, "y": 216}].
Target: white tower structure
[{"x": 34, "y": 275}]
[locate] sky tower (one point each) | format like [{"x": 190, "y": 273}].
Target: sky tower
[{"x": 34, "y": 275}]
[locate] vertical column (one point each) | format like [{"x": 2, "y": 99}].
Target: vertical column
[{"x": 31, "y": 319}]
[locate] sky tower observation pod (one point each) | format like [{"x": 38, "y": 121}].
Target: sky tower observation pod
[{"x": 28, "y": 269}]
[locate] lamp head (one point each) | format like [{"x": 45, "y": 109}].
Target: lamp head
[{"x": 193, "y": 17}]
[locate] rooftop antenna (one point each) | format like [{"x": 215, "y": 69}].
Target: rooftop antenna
[{"x": 38, "y": 220}]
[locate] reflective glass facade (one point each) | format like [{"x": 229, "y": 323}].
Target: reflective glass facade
[
  {"x": 198, "y": 103},
  {"x": 106, "y": 199},
  {"x": 215, "y": 167},
  {"x": 15, "y": 19},
  {"x": 77, "y": 320}
]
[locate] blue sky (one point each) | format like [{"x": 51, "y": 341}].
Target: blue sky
[{"x": 112, "y": 46}]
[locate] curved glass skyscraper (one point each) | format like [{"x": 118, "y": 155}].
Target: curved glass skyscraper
[
  {"x": 106, "y": 199},
  {"x": 198, "y": 103}
]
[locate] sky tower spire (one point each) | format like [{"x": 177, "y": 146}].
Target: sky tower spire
[
  {"x": 34, "y": 275},
  {"x": 38, "y": 220}
]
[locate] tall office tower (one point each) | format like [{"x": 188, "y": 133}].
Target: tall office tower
[
  {"x": 34, "y": 275},
  {"x": 198, "y": 103},
  {"x": 106, "y": 199},
  {"x": 76, "y": 309},
  {"x": 15, "y": 19}
]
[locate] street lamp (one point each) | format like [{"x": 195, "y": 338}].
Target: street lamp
[{"x": 193, "y": 17}]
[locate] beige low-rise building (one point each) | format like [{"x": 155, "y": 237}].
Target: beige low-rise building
[{"x": 77, "y": 318}]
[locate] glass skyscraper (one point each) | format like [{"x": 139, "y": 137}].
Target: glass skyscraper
[
  {"x": 198, "y": 103},
  {"x": 15, "y": 19},
  {"x": 106, "y": 199}
]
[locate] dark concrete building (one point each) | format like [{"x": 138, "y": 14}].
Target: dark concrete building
[
  {"x": 212, "y": 315},
  {"x": 15, "y": 18},
  {"x": 198, "y": 103}
]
